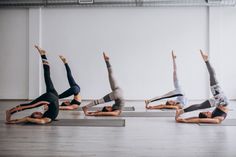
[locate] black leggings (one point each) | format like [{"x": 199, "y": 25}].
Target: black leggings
[
  {"x": 166, "y": 96},
  {"x": 50, "y": 97},
  {"x": 205, "y": 104},
  {"x": 74, "y": 87}
]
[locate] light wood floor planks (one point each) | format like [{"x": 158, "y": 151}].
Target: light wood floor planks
[{"x": 141, "y": 137}]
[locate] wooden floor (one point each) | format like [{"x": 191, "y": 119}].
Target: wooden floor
[{"x": 141, "y": 137}]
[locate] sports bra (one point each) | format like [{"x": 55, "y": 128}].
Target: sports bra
[
  {"x": 75, "y": 102},
  {"x": 72, "y": 102},
  {"x": 218, "y": 113}
]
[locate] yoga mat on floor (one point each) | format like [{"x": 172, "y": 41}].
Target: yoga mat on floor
[
  {"x": 86, "y": 122},
  {"x": 173, "y": 110},
  {"x": 148, "y": 114},
  {"x": 226, "y": 122},
  {"x": 128, "y": 108}
]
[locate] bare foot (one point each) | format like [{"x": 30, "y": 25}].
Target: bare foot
[
  {"x": 146, "y": 103},
  {"x": 63, "y": 59},
  {"x": 90, "y": 114},
  {"x": 9, "y": 122},
  {"x": 8, "y": 115},
  {"x": 41, "y": 51},
  {"x": 178, "y": 113},
  {"x": 204, "y": 56},
  {"x": 178, "y": 119},
  {"x": 149, "y": 107},
  {"x": 106, "y": 58},
  {"x": 173, "y": 54},
  {"x": 37, "y": 47},
  {"x": 85, "y": 109}
]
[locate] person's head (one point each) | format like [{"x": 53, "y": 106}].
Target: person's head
[
  {"x": 205, "y": 114},
  {"x": 36, "y": 115},
  {"x": 171, "y": 102},
  {"x": 107, "y": 109},
  {"x": 65, "y": 103}
]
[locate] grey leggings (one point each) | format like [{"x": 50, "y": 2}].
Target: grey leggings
[
  {"x": 212, "y": 74},
  {"x": 210, "y": 102},
  {"x": 116, "y": 93},
  {"x": 175, "y": 93}
]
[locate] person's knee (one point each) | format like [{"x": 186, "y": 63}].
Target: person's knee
[
  {"x": 108, "y": 98},
  {"x": 118, "y": 93},
  {"x": 75, "y": 90}
]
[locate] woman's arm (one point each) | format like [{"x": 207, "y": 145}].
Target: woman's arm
[
  {"x": 113, "y": 113},
  {"x": 17, "y": 121},
  {"x": 94, "y": 112},
  {"x": 39, "y": 120},
  {"x": 170, "y": 107},
  {"x": 71, "y": 107},
  {"x": 199, "y": 120},
  {"x": 161, "y": 106}
]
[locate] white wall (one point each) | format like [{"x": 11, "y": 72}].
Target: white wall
[
  {"x": 13, "y": 54},
  {"x": 227, "y": 54},
  {"x": 138, "y": 40}
]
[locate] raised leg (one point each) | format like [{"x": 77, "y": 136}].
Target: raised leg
[
  {"x": 46, "y": 67},
  {"x": 112, "y": 80},
  {"x": 74, "y": 90}
]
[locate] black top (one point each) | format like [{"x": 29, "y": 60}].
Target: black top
[
  {"x": 73, "y": 102},
  {"x": 218, "y": 113},
  {"x": 53, "y": 107}
]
